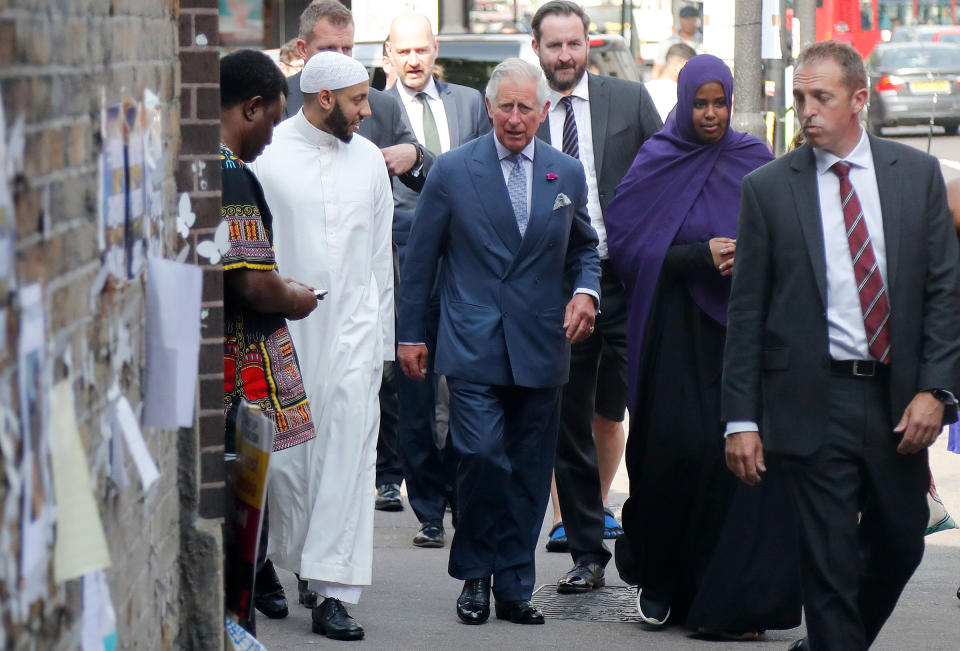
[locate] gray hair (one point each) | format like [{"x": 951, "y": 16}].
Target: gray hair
[{"x": 517, "y": 68}]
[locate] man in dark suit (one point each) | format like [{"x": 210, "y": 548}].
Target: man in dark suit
[
  {"x": 602, "y": 121},
  {"x": 519, "y": 281},
  {"x": 443, "y": 117},
  {"x": 843, "y": 346}
]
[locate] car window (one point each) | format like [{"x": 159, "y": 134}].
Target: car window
[
  {"x": 921, "y": 58},
  {"x": 949, "y": 38}
]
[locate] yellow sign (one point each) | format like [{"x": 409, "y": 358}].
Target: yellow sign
[{"x": 930, "y": 86}]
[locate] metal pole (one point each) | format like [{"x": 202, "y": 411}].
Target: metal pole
[
  {"x": 748, "y": 80},
  {"x": 453, "y": 17},
  {"x": 806, "y": 13}
]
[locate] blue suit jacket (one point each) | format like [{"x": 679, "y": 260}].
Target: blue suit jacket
[{"x": 502, "y": 296}]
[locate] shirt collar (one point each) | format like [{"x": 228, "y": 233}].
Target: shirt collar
[
  {"x": 861, "y": 156},
  {"x": 313, "y": 135},
  {"x": 409, "y": 95},
  {"x": 580, "y": 91},
  {"x": 503, "y": 152}
]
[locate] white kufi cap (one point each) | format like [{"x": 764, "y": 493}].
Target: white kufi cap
[{"x": 331, "y": 71}]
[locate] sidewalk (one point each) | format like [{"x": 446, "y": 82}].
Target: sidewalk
[{"x": 411, "y": 603}]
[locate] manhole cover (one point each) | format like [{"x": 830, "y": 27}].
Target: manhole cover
[{"x": 608, "y": 604}]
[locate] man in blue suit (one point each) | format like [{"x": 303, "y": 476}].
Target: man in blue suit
[
  {"x": 442, "y": 116},
  {"x": 519, "y": 281}
]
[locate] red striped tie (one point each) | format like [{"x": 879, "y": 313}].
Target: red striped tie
[{"x": 873, "y": 294}]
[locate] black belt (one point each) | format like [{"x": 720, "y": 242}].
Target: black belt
[{"x": 865, "y": 368}]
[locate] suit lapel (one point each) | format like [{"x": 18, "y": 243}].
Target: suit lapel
[
  {"x": 403, "y": 108},
  {"x": 487, "y": 177},
  {"x": 451, "y": 113},
  {"x": 544, "y": 131},
  {"x": 806, "y": 197},
  {"x": 888, "y": 185},
  {"x": 599, "y": 108}
]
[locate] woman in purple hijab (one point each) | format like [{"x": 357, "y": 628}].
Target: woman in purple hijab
[{"x": 702, "y": 551}]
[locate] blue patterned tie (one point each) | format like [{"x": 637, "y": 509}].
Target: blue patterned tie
[
  {"x": 517, "y": 187},
  {"x": 571, "y": 144}
]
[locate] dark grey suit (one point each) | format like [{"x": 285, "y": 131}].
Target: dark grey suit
[
  {"x": 430, "y": 473},
  {"x": 385, "y": 127},
  {"x": 622, "y": 117},
  {"x": 834, "y": 432},
  {"x": 467, "y": 119}
]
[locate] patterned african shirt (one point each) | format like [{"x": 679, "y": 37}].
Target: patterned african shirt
[{"x": 259, "y": 362}]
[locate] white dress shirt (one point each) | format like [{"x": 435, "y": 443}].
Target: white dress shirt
[
  {"x": 414, "y": 109},
  {"x": 580, "y": 99},
  {"x": 846, "y": 333}
]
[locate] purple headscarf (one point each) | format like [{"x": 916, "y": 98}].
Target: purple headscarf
[{"x": 678, "y": 190}]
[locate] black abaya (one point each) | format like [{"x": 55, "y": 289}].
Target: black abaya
[{"x": 721, "y": 553}]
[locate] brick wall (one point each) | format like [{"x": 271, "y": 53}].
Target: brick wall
[
  {"x": 56, "y": 59},
  {"x": 198, "y": 173}
]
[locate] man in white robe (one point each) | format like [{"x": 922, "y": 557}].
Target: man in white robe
[{"x": 332, "y": 204}]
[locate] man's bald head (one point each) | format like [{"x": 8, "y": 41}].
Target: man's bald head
[{"x": 413, "y": 50}]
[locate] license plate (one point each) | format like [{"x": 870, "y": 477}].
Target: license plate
[{"x": 930, "y": 86}]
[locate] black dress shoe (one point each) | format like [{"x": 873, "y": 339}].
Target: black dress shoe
[
  {"x": 268, "y": 596},
  {"x": 473, "y": 604},
  {"x": 584, "y": 577},
  {"x": 430, "y": 535},
  {"x": 799, "y": 645},
  {"x": 519, "y": 612},
  {"x": 331, "y": 619},
  {"x": 388, "y": 498},
  {"x": 308, "y": 597}
]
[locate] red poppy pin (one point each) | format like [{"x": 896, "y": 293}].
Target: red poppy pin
[{"x": 551, "y": 176}]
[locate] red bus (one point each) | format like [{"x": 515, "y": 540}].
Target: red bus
[{"x": 864, "y": 23}]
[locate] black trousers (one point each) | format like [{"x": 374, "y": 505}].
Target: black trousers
[
  {"x": 577, "y": 473},
  {"x": 389, "y": 464},
  {"x": 852, "y": 573}
]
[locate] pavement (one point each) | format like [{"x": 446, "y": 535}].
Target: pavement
[{"x": 411, "y": 602}]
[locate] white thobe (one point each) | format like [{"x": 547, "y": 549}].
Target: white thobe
[{"x": 332, "y": 210}]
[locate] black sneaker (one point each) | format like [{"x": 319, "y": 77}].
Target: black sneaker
[
  {"x": 653, "y": 611},
  {"x": 388, "y": 498}
]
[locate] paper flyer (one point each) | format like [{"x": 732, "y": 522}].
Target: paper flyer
[
  {"x": 154, "y": 162},
  {"x": 134, "y": 134},
  {"x": 113, "y": 192},
  {"x": 173, "y": 343},
  {"x": 247, "y": 485},
  {"x": 80, "y": 545}
]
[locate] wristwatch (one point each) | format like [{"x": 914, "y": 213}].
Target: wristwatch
[{"x": 949, "y": 405}]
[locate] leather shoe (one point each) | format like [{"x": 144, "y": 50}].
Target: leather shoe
[
  {"x": 330, "y": 618},
  {"x": 268, "y": 596},
  {"x": 584, "y": 577},
  {"x": 388, "y": 498},
  {"x": 308, "y": 597},
  {"x": 430, "y": 535},
  {"x": 473, "y": 604},
  {"x": 519, "y": 612},
  {"x": 799, "y": 645}
]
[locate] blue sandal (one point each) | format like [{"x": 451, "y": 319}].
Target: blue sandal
[
  {"x": 611, "y": 528},
  {"x": 558, "y": 539}
]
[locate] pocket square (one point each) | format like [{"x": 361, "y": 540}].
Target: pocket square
[{"x": 561, "y": 201}]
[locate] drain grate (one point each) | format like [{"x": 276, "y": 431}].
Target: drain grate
[{"x": 608, "y": 604}]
